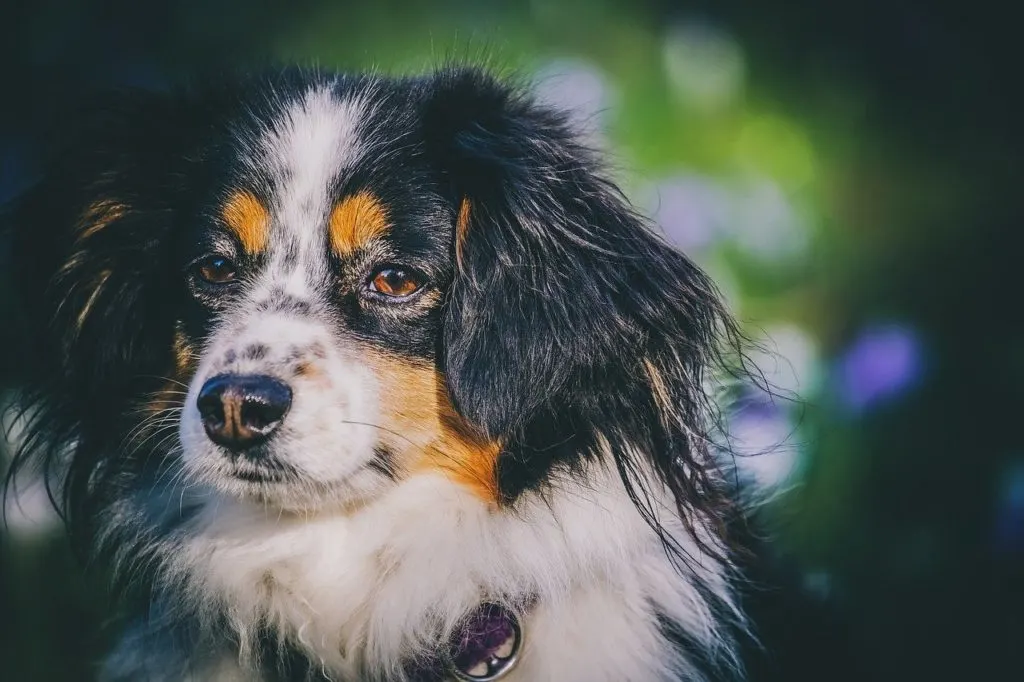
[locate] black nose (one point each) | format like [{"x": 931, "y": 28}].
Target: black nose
[{"x": 242, "y": 410}]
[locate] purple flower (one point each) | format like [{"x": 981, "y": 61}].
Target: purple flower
[{"x": 880, "y": 364}]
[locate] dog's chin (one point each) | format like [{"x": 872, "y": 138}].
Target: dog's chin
[{"x": 272, "y": 481}]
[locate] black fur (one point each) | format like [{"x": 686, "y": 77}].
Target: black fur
[
  {"x": 571, "y": 302},
  {"x": 137, "y": 145}
]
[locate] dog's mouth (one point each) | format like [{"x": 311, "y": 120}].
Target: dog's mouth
[{"x": 262, "y": 470}]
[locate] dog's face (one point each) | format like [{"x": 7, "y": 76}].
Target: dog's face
[
  {"x": 301, "y": 290},
  {"x": 314, "y": 272}
]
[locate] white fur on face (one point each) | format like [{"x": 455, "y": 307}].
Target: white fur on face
[{"x": 329, "y": 434}]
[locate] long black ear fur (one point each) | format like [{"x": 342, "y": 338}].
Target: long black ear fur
[
  {"x": 94, "y": 276},
  {"x": 570, "y": 325}
]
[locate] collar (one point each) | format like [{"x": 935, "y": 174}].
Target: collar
[{"x": 484, "y": 647}]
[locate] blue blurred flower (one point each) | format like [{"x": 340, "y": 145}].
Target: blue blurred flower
[
  {"x": 881, "y": 364},
  {"x": 1009, "y": 530}
]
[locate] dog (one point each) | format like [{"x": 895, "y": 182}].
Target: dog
[{"x": 354, "y": 377}]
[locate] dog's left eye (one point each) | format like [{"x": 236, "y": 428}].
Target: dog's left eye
[
  {"x": 395, "y": 282},
  {"x": 215, "y": 270}
]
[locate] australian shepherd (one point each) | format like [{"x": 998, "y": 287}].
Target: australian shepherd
[{"x": 351, "y": 377}]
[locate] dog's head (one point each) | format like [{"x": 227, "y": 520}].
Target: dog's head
[{"x": 307, "y": 288}]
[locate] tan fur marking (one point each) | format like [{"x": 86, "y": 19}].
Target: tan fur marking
[
  {"x": 356, "y": 220},
  {"x": 462, "y": 227},
  {"x": 661, "y": 393},
  {"x": 248, "y": 219},
  {"x": 184, "y": 357},
  {"x": 431, "y": 435},
  {"x": 463, "y": 455},
  {"x": 99, "y": 215},
  {"x": 171, "y": 394},
  {"x": 94, "y": 219},
  {"x": 83, "y": 315}
]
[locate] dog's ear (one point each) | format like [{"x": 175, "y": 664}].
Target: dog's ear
[
  {"x": 569, "y": 322},
  {"x": 90, "y": 257}
]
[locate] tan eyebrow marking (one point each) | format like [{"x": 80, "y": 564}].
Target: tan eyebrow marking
[
  {"x": 356, "y": 220},
  {"x": 248, "y": 219}
]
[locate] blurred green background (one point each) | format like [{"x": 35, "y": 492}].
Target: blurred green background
[{"x": 850, "y": 173}]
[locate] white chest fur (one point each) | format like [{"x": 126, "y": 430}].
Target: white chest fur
[{"x": 370, "y": 588}]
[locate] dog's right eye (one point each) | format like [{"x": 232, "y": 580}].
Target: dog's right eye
[{"x": 215, "y": 270}]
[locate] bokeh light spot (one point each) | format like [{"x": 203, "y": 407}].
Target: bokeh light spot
[
  {"x": 765, "y": 223},
  {"x": 693, "y": 211},
  {"x": 705, "y": 66},
  {"x": 882, "y": 363},
  {"x": 579, "y": 88},
  {"x": 788, "y": 358},
  {"x": 772, "y": 146},
  {"x": 1009, "y": 529}
]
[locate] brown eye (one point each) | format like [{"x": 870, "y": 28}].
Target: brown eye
[
  {"x": 215, "y": 270},
  {"x": 396, "y": 282}
]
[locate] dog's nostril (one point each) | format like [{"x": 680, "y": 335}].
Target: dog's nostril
[
  {"x": 241, "y": 410},
  {"x": 265, "y": 410}
]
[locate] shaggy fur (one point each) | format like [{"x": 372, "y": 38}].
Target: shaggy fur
[{"x": 497, "y": 375}]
